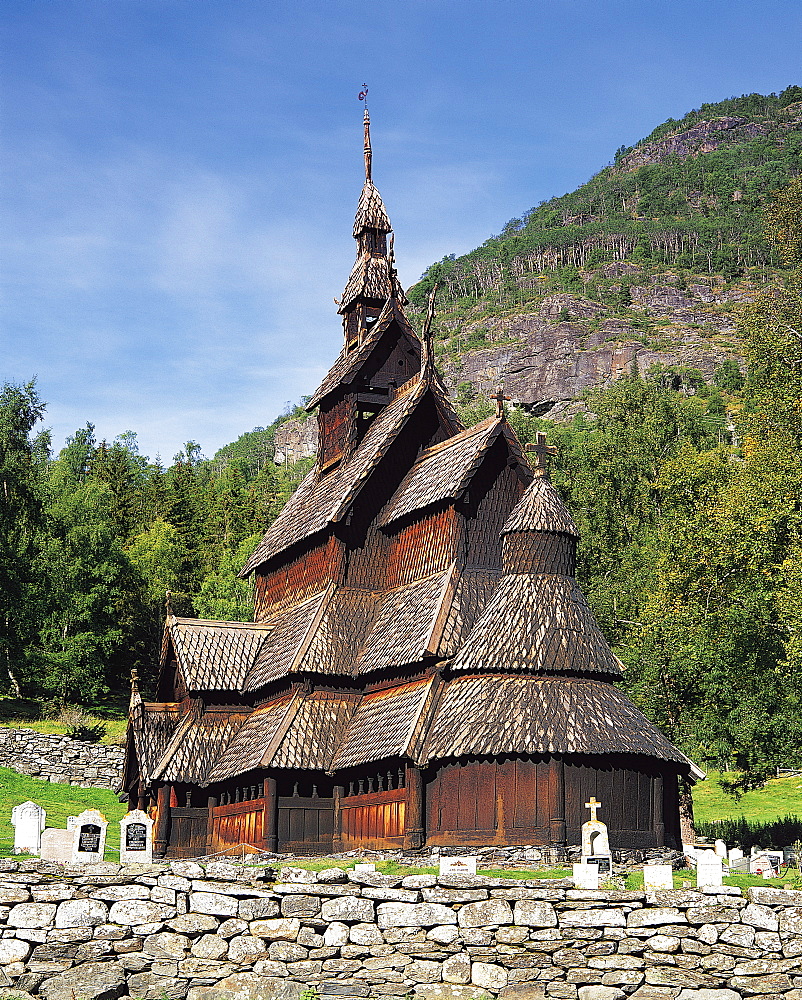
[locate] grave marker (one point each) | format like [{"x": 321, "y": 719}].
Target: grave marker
[
  {"x": 595, "y": 841},
  {"x": 586, "y": 876},
  {"x": 89, "y": 837},
  {"x": 28, "y": 820},
  {"x": 364, "y": 867},
  {"x": 657, "y": 877},
  {"x": 708, "y": 869},
  {"x": 57, "y": 845},
  {"x": 136, "y": 837},
  {"x": 458, "y": 866}
]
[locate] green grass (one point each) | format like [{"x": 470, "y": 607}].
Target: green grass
[
  {"x": 60, "y": 801},
  {"x": 779, "y": 797}
]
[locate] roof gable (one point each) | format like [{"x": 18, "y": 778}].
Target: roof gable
[{"x": 214, "y": 655}]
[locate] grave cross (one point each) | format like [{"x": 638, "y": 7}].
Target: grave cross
[
  {"x": 593, "y": 805},
  {"x": 541, "y": 451},
  {"x": 500, "y": 398}
]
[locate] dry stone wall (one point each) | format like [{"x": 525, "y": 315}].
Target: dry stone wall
[
  {"x": 222, "y": 930},
  {"x": 61, "y": 759}
]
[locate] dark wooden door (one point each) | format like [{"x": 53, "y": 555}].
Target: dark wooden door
[
  {"x": 374, "y": 820},
  {"x": 238, "y": 824},
  {"x": 188, "y": 832},
  {"x": 305, "y": 825}
]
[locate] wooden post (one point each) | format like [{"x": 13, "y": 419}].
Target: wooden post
[
  {"x": 161, "y": 832},
  {"x": 658, "y": 822},
  {"x": 414, "y": 832},
  {"x": 337, "y": 836},
  {"x": 271, "y": 816},
  {"x": 210, "y": 824},
  {"x": 687, "y": 832},
  {"x": 558, "y": 834},
  {"x": 142, "y": 799}
]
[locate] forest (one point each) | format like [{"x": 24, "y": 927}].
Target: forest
[{"x": 686, "y": 496}]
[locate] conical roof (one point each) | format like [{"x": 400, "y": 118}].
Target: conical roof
[
  {"x": 370, "y": 212},
  {"x": 540, "y": 509}
]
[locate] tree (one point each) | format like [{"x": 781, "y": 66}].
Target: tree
[{"x": 22, "y": 461}]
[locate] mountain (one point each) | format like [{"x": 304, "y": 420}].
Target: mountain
[{"x": 648, "y": 261}]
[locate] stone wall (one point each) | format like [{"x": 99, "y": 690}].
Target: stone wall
[
  {"x": 61, "y": 759},
  {"x": 225, "y": 930}
]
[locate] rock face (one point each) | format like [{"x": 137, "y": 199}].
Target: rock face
[
  {"x": 118, "y": 932},
  {"x": 296, "y": 439}
]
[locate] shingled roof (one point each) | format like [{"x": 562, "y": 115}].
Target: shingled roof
[
  {"x": 197, "y": 744},
  {"x": 540, "y": 509},
  {"x": 324, "y": 498},
  {"x": 491, "y": 714},
  {"x": 213, "y": 655},
  {"x": 370, "y": 212},
  {"x": 369, "y": 279}
]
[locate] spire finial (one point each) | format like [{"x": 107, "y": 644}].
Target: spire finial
[
  {"x": 168, "y": 603},
  {"x": 427, "y": 354},
  {"x": 541, "y": 451},
  {"x": 500, "y": 398},
  {"x": 363, "y": 96}
]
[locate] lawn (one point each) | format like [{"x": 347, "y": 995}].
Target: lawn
[
  {"x": 778, "y": 797},
  {"x": 60, "y": 801}
]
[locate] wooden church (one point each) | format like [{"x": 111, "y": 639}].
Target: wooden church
[{"x": 422, "y": 668}]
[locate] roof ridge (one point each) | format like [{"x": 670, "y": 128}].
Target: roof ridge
[
  {"x": 460, "y": 436},
  {"x": 214, "y": 622}
]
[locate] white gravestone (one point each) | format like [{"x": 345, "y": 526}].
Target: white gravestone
[
  {"x": 586, "y": 876},
  {"x": 766, "y": 863},
  {"x": 720, "y": 848},
  {"x": 458, "y": 866},
  {"x": 657, "y": 877},
  {"x": 595, "y": 841},
  {"x": 364, "y": 867},
  {"x": 57, "y": 845},
  {"x": 136, "y": 837},
  {"x": 28, "y": 820},
  {"x": 89, "y": 837},
  {"x": 708, "y": 869}
]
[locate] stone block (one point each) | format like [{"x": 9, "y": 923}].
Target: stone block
[
  {"x": 285, "y": 951},
  {"x": 738, "y": 935},
  {"x": 654, "y": 916},
  {"x": 209, "y": 946},
  {"x": 776, "y": 982},
  {"x": 600, "y": 993},
  {"x": 769, "y": 896},
  {"x": 352, "y": 909},
  {"x": 335, "y": 935},
  {"x": 81, "y": 913},
  {"x": 440, "y": 895},
  {"x": 441, "y": 935},
  {"x": 413, "y": 915},
  {"x": 231, "y": 927},
  {"x": 166, "y": 945},
  {"x": 488, "y": 976},
  {"x": 712, "y": 914},
  {"x": 454, "y": 991},
  {"x": 12, "y": 950},
  {"x": 299, "y": 905},
  {"x": 214, "y": 903},
  {"x": 366, "y": 934},
  {"x": 762, "y": 917},
  {"x": 662, "y": 943},
  {"x": 593, "y": 918},
  {"x": 422, "y": 971},
  {"x": 488, "y": 913},
  {"x": 277, "y": 929},
  {"x": 32, "y": 915},
  {"x": 194, "y": 923},
  {"x": 135, "y": 912},
  {"x": 457, "y": 969},
  {"x": 92, "y": 981},
  {"x": 790, "y": 920},
  {"x": 534, "y": 913}
]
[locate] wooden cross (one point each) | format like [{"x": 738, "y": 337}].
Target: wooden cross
[
  {"x": 593, "y": 805},
  {"x": 541, "y": 451},
  {"x": 500, "y": 398}
]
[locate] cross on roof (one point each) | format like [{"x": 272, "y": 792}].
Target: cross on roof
[
  {"x": 593, "y": 805},
  {"x": 499, "y": 398},
  {"x": 541, "y": 450}
]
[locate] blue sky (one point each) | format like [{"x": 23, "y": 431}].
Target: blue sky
[{"x": 179, "y": 177}]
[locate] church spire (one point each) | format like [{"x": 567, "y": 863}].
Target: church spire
[{"x": 368, "y": 150}]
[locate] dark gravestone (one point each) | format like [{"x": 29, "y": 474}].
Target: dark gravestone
[{"x": 89, "y": 839}]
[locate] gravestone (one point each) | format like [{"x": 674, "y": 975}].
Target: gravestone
[
  {"x": 136, "y": 837},
  {"x": 720, "y": 848},
  {"x": 708, "y": 869},
  {"x": 458, "y": 866},
  {"x": 89, "y": 837},
  {"x": 595, "y": 841},
  {"x": 766, "y": 863},
  {"x": 28, "y": 820},
  {"x": 657, "y": 877},
  {"x": 586, "y": 876},
  {"x": 364, "y": 867},
  {"x": 57, "y": 845}
]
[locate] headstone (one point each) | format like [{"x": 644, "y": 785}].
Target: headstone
[
  {"x": 766, "y": 863},
  {"x": 720, "y": 848},
  {"x": 363, "y": 868},
  {"x": 586, "y": 876},
  {"x": 595, "y": 842},
  {"x": 57, "y": 845},
  {"x": 28, "y": 820},
  {"x": 708, "y": 869},
  {"x": 136, "y": 837},
  {"x": 658, "y": 877},
  {"x": 465, "y": 865},
  {"x": 736, "y": 855},
  {"x": 89, "y": 837}
]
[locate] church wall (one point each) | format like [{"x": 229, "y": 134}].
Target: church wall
[
  {"x": 514, "y": 800},
  {"x": 305, "y": 574},
  {"x": 335, "y": 426},
  {"x": 428, "y": 544}
]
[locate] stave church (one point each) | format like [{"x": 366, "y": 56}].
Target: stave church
[{"x": 422, "y": 668}]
